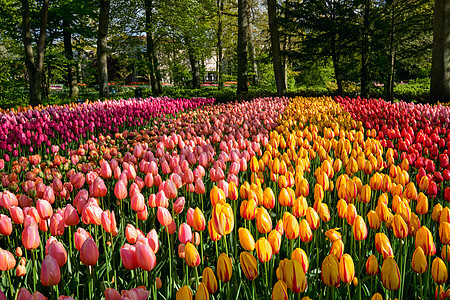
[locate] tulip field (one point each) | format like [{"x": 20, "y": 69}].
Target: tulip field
[{"x": 274, "y": 198}]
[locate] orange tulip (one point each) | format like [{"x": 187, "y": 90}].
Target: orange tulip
[
  {"x": 424, "y": 239},
  {"x": 263, "y": 220},
  {"x": 224, "y": 268},
  {"x": 294, "y": 276},
  {"x": 351, "y": 214},
  {"x": 199, "y": 220},
  {"x": 342, "y": 208},
  {"x": 209, "y": 279},
  {"x": 419, "y": 261},
  {"x": 222, "y": 218},
  {"x": 263, "y": 250},
  {"x": 439, "y": 271},
  {"x": 217, "y": 195},
  {"x": 390, "y": 274},
  {"x": 279, "y": 291},
  {"x": 192, "y": 257},
  {"x": 299, "y": 255},
  {"x": 372, "y": 265},
  {"x": 337, "y": 249},
  {"x": 232, "y": 191},
  {"x": 291, "y": 227},
  {"x": 366, "y": 192},
  {"x": 359, "y": 229},
  {"x": 268, "y": 198},
  {"x": 202, "y": 292},
  {"x": 330, "y": 271},
  {"x": 246, "y": 239},
  {"x": 346, "y": 268},
  {"x": 312, "y": 218},
  {"x": 374, "y": 220},
  {"x": 444, "y": 233},
  {"x": 248, "y": 265},
  {"x": 400, "y": 227},
  {"x": 422, "y": 204},
  {"x": 212, "y": 232},
  {"x": 306, "y": 234},
  {"x": 184, "y": 293},
  {"x": 274, "y": 239}
]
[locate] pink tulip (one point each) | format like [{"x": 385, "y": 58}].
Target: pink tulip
[
  {"x": 50, "y": 272},
  {"x": 89, "y": 252},
  {"x": 145, "y": 256},
  {"x": 184, "y": 233}
]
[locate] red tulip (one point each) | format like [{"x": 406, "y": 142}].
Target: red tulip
[
  {"x": 145, "y": 256},
  {"x": 129, "y": 258},
  {"x": 5, "y": 225},
  {"x": 30, "y": 237},
  {"x": 89, "y": 252},
  {"x": 164, "y": 216},
  {"x": 50, "y": 272},
  {"x": 80, "y": 237},
  {"x": 7, "y": 260},
  {"x": 108, "y": 221},
  {"x": 71, "y": 217}
]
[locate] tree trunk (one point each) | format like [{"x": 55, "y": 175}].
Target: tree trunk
[
  {"x": 440, "y": 68},
  {"x": 219, "y": 44},
  {"x": 336, "y": 66},
  {"x": 194, "y": 65},
  {"x": 275, "y": 43},
  {"x": 252, "y": 52},
  {"x": 34, "y": 68},
  {"x": 365, "y": 52},
  {"x": 242, "y": 80},
  {"x": 71, "y": 72},
  {"x": 102, "y": 51},
  {"x": 155, "y": 76},
  {"x": 391, "y": 72}
]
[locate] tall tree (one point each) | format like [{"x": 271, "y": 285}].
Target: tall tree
[
  {"x": 440, "y": 69},
  {"x": 102, "y": 51},
  {"x": 275, "y": 45},
  {"x": 150, "y": 46},
  {"x": 242, "y": 82},
  {"x": 219, "y": 43},
  {"x": 68, "y": 51},
  {"x": 35, "y": 68},
  {"x": 365, "y": 50},
  {"x": 251, "y": 47}
]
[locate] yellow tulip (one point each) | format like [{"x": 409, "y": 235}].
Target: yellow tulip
[
  {"x": 330, "y": 271},
  {"x": 279, "y": 291},
  {"x": 439, "y": 271},
  {"x": 390, "y": 274},
  {"x": 224, "y": 268},
  {"x": 263, "y": 250},
  {"x": 248, "y": 265},
  {"x": 346, "y": 268},
  {"x": 419, "y": 261},
  {"x": 209, "y": 279},
  {"x": 246, "y": 239},
  {"x": 184, "y": 293},
  {"x": 202, "y": 292}
]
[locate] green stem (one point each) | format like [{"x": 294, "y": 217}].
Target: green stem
[
  {"x": 201, "y": 247},
  {"x": 33, "y": 255},
  {"x": 10, "y": 284},
  {"x": 196, "y": 276},
  {"x": 348, "y": 291},
  {"x": 170, "y": 264}
]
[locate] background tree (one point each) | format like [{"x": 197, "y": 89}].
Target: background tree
[
  {"x": 440, "y": 72},
  {"x": 102, "y": 50}
]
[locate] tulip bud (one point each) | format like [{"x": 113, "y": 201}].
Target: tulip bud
[
  {"x": 279, "y": 291},
  {"x": 390, "y": 274},
  {"x": 372, "y": 265},
  {"x": 439, "y": 271},
  {"x": 246, "y": 239},
  {"x": 248, "y": 265},
  {"x": 184, "y": 293},
  {"x": 50, "y": 272},
  {"x": 224, "y": 268},
  {"x": 419, "y": 261},
  {"x": 209, "y": 279},
  {"x": 330, "y": 271},
  {"x": 89, "y": 252},
  {"x": 192, "y": 257}
]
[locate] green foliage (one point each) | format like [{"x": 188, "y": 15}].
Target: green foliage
[{"x": 416, "y": 89}]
